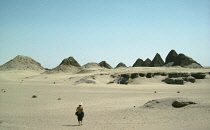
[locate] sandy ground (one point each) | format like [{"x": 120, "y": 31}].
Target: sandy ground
[{"x": 106, "y": 106}]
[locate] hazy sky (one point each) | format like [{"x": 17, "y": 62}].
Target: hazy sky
[{"x": 111, "y": 30}]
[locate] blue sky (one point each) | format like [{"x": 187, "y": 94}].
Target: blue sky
[{"x": 111, "y": 30}]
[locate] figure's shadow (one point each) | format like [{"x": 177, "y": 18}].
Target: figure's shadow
[{"x": 70, "y": 125}]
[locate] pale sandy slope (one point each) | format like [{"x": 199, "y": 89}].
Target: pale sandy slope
[{"x": 106, "y": 106}]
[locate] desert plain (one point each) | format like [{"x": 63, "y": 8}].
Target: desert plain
[{"x": 143, "y": 104}]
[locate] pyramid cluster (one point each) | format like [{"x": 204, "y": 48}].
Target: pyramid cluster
[
  {"x": 172, "y": 59},
  {"x": 71, "y": 65}
]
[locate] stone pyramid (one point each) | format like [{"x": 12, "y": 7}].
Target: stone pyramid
[
  {"x": 105, "y": 65},
  {"x": 157, "y": 61},
  {"x": 139, "y": 62},
  {"x": 171, "y": 56},
  {"x": 120, "y": 65},
  {"x": 70, "y": 61},
  {"x": 147, "y": 62},
  {"x": 68, "y": 65},
  {"x": 21, "y": 62},
  {"x": 185, "y": 61}
]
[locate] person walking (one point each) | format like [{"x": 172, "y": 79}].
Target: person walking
[{"x": 80, "y": 113}]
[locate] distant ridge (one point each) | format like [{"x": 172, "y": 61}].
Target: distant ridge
[{"x": 21, "y": 62}]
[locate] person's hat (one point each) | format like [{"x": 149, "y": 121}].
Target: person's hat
[{"x": 80, "y": 104}]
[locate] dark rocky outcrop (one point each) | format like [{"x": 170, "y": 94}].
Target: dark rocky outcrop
[
  {"x": 184, "y": 74},
  {"x": 115, "y": 75},
  {"x": 157, "y": 74},
  {"x": 150, "y": 75},
  {"x": 120, "y": 65},
  {"x": 179, "y": 81},
  {"x": 142, "y": 74},
  {"x": 198, "y": 75},
  {"x": 189, "y": 79},
  {"x": 179, "y": 78},
  {"x": 134, "y": 75},
  {"x": 169, "y": 81},
  {"x": 174, "y": 81},
  {"x": 174, "y": 75},
  {"x": 70, "y": 61},
  {"x": 123, "y": 81},
  {"x": 160, "y": 74},
  {"x": 183, "y": 61},
  {"x": 172, "y": 78},
  {"x": 171, "y": 56},
  {"x": 139, "y": 63},
  {"x": 169, "y": 102},
  {"x": 164, "y": 74},
  {"x": 157, "y": 61},
  {"x": 178, "y": 104},
  {"x": 105, "y": 65},
  {"x": 126, "y": 75}
]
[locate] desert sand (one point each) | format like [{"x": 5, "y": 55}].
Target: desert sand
[{"x": 144, "y": 104}]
